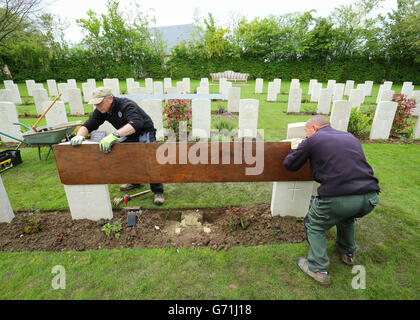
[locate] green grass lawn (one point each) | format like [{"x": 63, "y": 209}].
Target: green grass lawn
[{"x": 388, "y": 239}]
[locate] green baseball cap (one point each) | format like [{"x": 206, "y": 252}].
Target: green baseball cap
[{"x": 99, "y": 94}]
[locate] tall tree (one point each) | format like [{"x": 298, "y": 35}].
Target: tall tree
[{"x": 16, "y": 15}]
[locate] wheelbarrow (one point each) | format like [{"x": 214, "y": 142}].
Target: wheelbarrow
[{"x": 46, "y": 136}]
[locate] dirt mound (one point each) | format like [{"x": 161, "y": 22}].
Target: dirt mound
[{"x": 155, "y": 229}]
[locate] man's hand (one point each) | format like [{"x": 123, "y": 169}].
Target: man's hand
[
  {"x": 107, "y": 142},
  {"x": 295, "y": 143},
  {"x": 77, "y": 140}
]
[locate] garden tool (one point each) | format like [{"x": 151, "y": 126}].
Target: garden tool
[{"x": 127, "y": 197}]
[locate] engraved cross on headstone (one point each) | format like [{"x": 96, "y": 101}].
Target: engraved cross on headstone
[{"x": 294, "y": 189}]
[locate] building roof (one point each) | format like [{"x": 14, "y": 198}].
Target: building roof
[{"x": 174, "y": 35}]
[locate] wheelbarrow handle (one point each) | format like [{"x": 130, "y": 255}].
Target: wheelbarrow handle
[
  {"x": 13, "y": 138},
  {"x": 21, "y": 124}
]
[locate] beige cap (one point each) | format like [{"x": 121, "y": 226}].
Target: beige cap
[{"x": 99, "y": 94}]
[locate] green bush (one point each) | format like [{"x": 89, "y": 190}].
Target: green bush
[{"x": 359, "y": 124}]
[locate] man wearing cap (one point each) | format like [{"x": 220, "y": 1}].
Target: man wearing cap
[
  {"x": 132, "y": 123},
  {"x": 348, "y": 190}
]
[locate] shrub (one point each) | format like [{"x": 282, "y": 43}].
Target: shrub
[
  {"x": 238, "y": 218},
  {"x": 359, "y": 124},
  {"x": 402, "y": 119},
  {"x": 32, "y": 222},
  {"x": 226, "y": 121},
  {"x": 176, "y": 111},
  {"x": 114, "y": 229}
]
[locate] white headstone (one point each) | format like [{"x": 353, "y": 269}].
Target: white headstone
[
  {"x": 222, "y": 82},
  {"x": 382, "y": 121},
  {"x": 52, "y": 88},
  {"x": 340, "y": 115},
  {"x": 8, "y": 116},
  {"x": 204, "y": 82},
  {"x": 29, "y": 86},
  {"x": 149, "y": 85},
  {"x": 90, "y": 202},
  {"x": 173, "y": 90},
  {"x": 407, "y": 90},
  {"x": 92, "y": 83},
  {"x": 62, "y": 88},
  {"x": 234, "y": 98},
  {"x": 186, "y": 82},
  {"x": 311, "y": 83},
  {"x": 40, "y": 96},
  {"x": 248, "y": 118},
  {"x": 202, "y": 90},
  {"x": 87, "y": 91},
  {"x": 129, "y": 84},
  {"x": 8, "y": 82},
  {"x": 295, "y": 99},
  {"x": 271, "y": 92},
  {"x": 56, "y": 115},
  {"x": 331, "y": 84},
  {"x": 388, "y": 85},
  {"x": 368, "y": 88},
  {"x": 416, "y": 110},
  {"x": 316, "y": 91},
  {"x": 349, "y": 86},
  {"x": 259, "y": 85},
  {"x": 180, "y": 87},
  {"x": 357, "y": 97},
  {"x": 15, "y": 92},
  {"x": 225, "y": 89},
  {"x": 114, "y": 85},
  {"x": 416, "y": 133},
  {"x": 137, "y": 90},
  {"x": 277, "y": 85},
  {"x": 153, "y": 107},
  {"x": 157, "y": 87},
  {"x": 338, "y": 91},
  {"x": 167, "y": 83},
  {"x": 71, "y": 83},
  {"x": 201, "y": 118},
  {"x": 6, "y": 212},
  {"x": 292, "y": 198},
  {"x": 296, "y": 130},
  {"x": 324, "y": 102},
  {"x": 75, "y": 102},
  {"x": 386, "y": 95},
  {"x": 294, "y": 84},
  {"x": 361, "y": 86},
  {"x": 6, "y": 95}
]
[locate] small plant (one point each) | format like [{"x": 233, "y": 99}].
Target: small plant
[
  {"x": 359, "y": 123},
  {"x": 32, "y": 222},
  {"x": 220, "y": 109},
  {"x": 226, "y": 121},
  {"x": 239, "y": 219},
  {"x": 112, "y": 229},
  {"x": 402, "y": 119}
]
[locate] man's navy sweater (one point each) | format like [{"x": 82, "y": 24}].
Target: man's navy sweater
[{"x": 337, "y": 162}]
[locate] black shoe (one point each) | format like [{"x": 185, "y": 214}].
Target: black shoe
[
  {"x": 129, "y": 186},
  {"x": 159, "y": 199}
]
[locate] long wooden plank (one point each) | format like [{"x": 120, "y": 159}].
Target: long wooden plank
[{"x": 176, "y": 163}]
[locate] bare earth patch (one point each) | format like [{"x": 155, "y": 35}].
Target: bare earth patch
[{"x": 154, "y": 229}]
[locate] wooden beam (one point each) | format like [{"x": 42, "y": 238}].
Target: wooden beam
[{"x": 176, "y": 163}]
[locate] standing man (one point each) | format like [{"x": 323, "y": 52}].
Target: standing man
[
  {"x": 133, "y": 125},
  {"x": 348, "y": 190}
]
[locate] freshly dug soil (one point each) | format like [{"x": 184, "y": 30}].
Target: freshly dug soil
[{"x": 154, "y": 229}]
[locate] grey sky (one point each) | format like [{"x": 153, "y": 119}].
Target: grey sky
[{"x": 182, "y": 11}]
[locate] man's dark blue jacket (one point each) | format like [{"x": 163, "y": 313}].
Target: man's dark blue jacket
[{"x": 337, "y": 162}]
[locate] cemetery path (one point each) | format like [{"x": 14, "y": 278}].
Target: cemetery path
[{"x": 154, "y": 229}]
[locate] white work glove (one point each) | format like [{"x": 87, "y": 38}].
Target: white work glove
[
  {"x": 77, "y": 140},
  {"x": 295, "y": 143}
]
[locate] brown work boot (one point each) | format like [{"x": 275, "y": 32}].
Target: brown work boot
[
  {"x": 129, "y": 186},
  {"x": 322, "y": 279},
  {"x": 347, "y": 258},
  {"x": 159, "y": 199}
]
